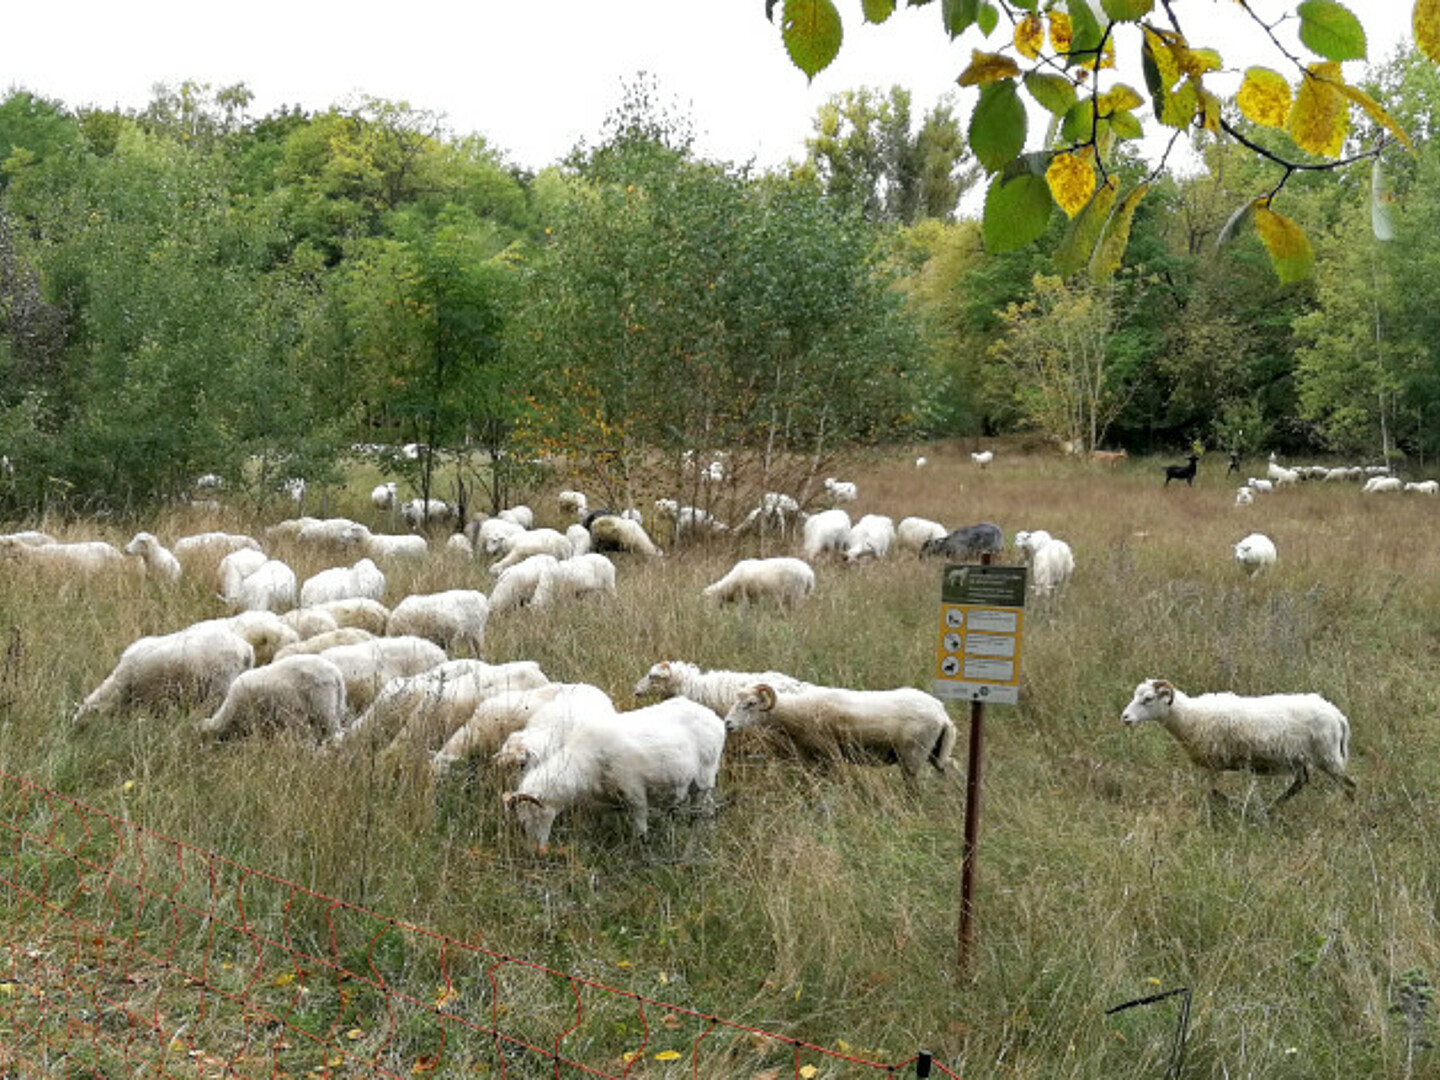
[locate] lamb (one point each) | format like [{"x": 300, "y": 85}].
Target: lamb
[
  {"x": 195, "y": 664},
  {"x": 1275, "y": 733},
  {"x": 870, "y": 538},
  {"x": 371, "y": 664},
  {"x": 364, "y": 579},
  {"x": 1051, "y": 561},
  {"x": 717, "y": 690},
  {"x": 904, "y": 725},
  {"x": 914, "y": 532},
  {"x": 840, "y": 490},
  {"x": 499, "y": 724},
  {"x": 1184, "y": 472},
  {"x": 454, "y": 619},
  {"x": 1255, "y": 553},
  {"x": 1423, "y": 487},
  {"x": 269, "y": 587},
  {"x": 341, "y": 635},
  {"x": 610, "y": 532},
  {"x": 85, "y": 557},
  {"x": 383, "y": 495},
  {"x": 1381, "y": 484},
  {"x": 160, "y": 562},
  {"x": 592, "y": 573},
  {"x": 785, "y": 580},
  {"x": 403, "y": 546},
  {"x": 533, "y": 542},
  {"x": 297, "y": 693},
  {"x": 982, "y": 458},
  {"x": 516, "y": 586},
  {"x": 825, "y": 531},
  {"x": 668, "y": 752},
  {"x": 425, "y": 709},
  {"x": 357, "y": 611},
  {"x": 967, "y": 542}
]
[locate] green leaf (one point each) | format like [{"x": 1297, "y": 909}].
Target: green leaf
[
  {"x": 1116, "y": 237},
  {"x": 877, "y": 11},
  {"x": 997, "y": 126},
  {"x": 1290, "y": 253},
  {"x": 1330, "y": 30},
  {"x": 1025, "y": 5},
  {"x": 1016, "y": 212},
  {"x": 1053, "y": 92},
  {"x": 1382, "y": 222},
  {"x": 1125, "y": 125},
  {"x": 1079, "y": 123},
  {"x": 988, "y": 19},
  {"x": 959, "y": 15},
  {"x": 1086, "y": 30},
  {"x": 1240, "y": 219},
  {"x": 812, "y": 33},
  {"x": 1079, "y": 242},
  {"x": 1127, "y": 10}
]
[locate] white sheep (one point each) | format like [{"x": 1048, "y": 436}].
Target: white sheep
[
  {"x": 85, "y": 557},
  {"x": 211, "y": 547},
  {"x": 840, "y": 490},
  {"x": 904, "y": 724},
  {"x": 533, "y": 542},
  {"x": 195, "y": 664},
  {"x": 160, "y": 562},
  {"x": 869, "y": 538},
  {"x": 364, "y": 579},
  {"x": 31, "y": 537},
  {"x": 573, "y": 503},
  {"x": 1262, "y": 486},
  {"x": 491, "y": 535},
  {"x": 913, "y": 533},
  {"x": 294, "y": 489},
  {"x": 454, "y": 619},
  {"x": 369, "y": 665},
  {"x": 611, "y": 532},
  {"x": 982, "y": 458},
  {"x": 309, "y": 622},
  {"x": 296, "y": 693},
  {"x": 689, "y": 519},
  {"x": 1255, "y": 553},
  {"x": 1280, "y": 475},
  {"x": 777, "y": 512},
  {"x": 403, "y": 546},
  {"x": 520, "y": 514},
  {"x": 329, "y": 639},
  {"x": 1050, "y": 560},
  {"x": 418, "y": 513},
  {"x": 1244, "y": 496},
  {"x": 269, "y": 587},
  {"x": 716, "y": 689},
  {"x": 579, "y": 538},
  {"x": 667, "y": 753},
  {"x": 423, "y": 710},
  {"x": 1275, "y": 733},
  {"x": 334, "y": 533},
  {"x": 383, "y": 495},
  {"x": 288, "y": 529},
  {"x": 1381, "y": 484},
  {"x": 1423, "y": 487},
  {"x": 785, "y": 580},
  {"x": 266, "y": 631},
  {"x": 358, "y": 611},
  {"x": 235, "y": 568},
  {"x": 496, "y": 726},
  {"x": 516, "y": 586},
  {"x": 591, "y": 573},
  {"x": 825, "y": 531},
  {"x": 459, "y": 544}
]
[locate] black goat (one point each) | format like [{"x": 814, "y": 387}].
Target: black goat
[
  {"x": 1182, "y": 472},
  {"x": 968, "y": 541}
]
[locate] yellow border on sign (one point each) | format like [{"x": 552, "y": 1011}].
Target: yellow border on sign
[{"x": 942, "y": 652}]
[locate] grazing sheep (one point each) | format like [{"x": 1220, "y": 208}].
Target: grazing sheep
[
  {"x": 785, "y": 580},
  {"x": 667, "y": 753},
  {"x": 288, "y": 529},
  {"x": 1424, "y": 487},
  {"x": 920, "y": 462},
  {"x": 329, "y": 639},
  {"x": 297, "y": 693},
  {"x": 967, "y": 542},
  {"x": 1276, "y": 733},
  {"x": 533, "y": 542},
  {"x": 516, "y": 586},
  {"x": 592, "y": 573},
  {"x": 383, "y": 495},
  {"x": 1184, "y": 472},
  {"x": 689, "y": 519},
  {"x": 364, "y": 579},
  {"x": 160, "y": 562},
  {"x": 1381, "y": 484},
  {"x": 1262, "y": 486},
  {"x": 235, "y": 568},
  {"x": 310, "y": 622},
  {"x": 1280, "y": 475},
  {"x": 496, "y": 726},
  {"x": 717, "y": 689},
  {"x": 359, "y": 612},
  {"x": 491, "y": 535},
  {"x": 196, "y": 664},
  {"x": 1255, "y": 553},
  {"x": 1244, "y": 496},
  {"x": 369, "y": 665},
  {"x": 982, "y": 458},
  {"x": 777, "y": 512},
  {"x": 423, "y": 710},
  {"x": 86, "y": 557},
  {"x": 869, "y": 538},
  {"x": 418, "y": 513},
  {"x": 914, "y": 532},
  {"x": 904, "y": 725},
  {"x": 1051, "y": 561},
  {"x": 32, "y": 537},
  {"x": 520, "y": 514},
  {"x": 579, "y": 538},
  {"x": 266, "y": 631},
  {"x": 840, "y": 490},
  {"x": 454, "y": 619},
  {"x": 334, "y": 534},
  {"x": 610, "y": 532},
  {"x": 403, "y": 546},
  {"x": 269, "y": 587},
  {"x": 211, "y": 547},
  {"x": 825, "y": 531},
  {"x": 573, "y": 503},
  {"x": 459, "y": 544}
]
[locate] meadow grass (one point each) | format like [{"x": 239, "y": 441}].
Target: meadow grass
[{"x": 822, "y": 903}]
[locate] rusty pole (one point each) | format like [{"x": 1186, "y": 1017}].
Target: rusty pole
[{"x": 972, "y": 827}]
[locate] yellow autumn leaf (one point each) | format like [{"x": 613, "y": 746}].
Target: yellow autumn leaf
[
  {"x": 1061, "y": 32},
  {"x": 1290, "y": 251},
  {"x": 1319, "y": 118},
  {"x": 1029, "y": 36},
  {"x": 285, "y": 978},
  {"x": 1209, "y": 111},
  {"x": 1197, "y": 62},
  {"x": 1264, "y": 97},
  {"x": 1178, "y": 109},
  {"x": 808, "y": 1072},
  {"x": 1425, "y": 22},
  {"x": 668, "y": 1055},
  {"x": 1072, "y": 180},
  {"x": 1160, "y": 44},
  {"x": 355, "y": 1034},
  {"x": 1376, "y": 112},
  {"x": 1119, "y": 98},
  {"x": 988, "y": 68}
]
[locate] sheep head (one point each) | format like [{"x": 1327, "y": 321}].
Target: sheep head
[
  {"x": 1152, "y": 699},
  {"x": 656, "y": 679},
  {"x": 750, "y": 707}
]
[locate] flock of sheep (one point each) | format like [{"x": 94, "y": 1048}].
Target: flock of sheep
[{"x": 326, "y": 655}]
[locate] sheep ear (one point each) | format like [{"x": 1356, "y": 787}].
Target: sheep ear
[
  {"x": 767, "y": 696},
  {"x": 1165, "y": 690}
]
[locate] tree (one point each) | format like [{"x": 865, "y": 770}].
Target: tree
[{"x": 1059, "y": 58}]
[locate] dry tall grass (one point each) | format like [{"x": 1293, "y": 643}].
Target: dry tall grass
[{"x": 823, "y": 903}]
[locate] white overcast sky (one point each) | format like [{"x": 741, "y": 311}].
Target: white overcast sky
[{"x": 532, "y": 76}]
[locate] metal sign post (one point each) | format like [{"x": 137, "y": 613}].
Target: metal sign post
[{"x": 981, "y": 618}]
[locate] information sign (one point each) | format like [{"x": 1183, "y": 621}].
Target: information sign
[{"x": 982, "y": 615}]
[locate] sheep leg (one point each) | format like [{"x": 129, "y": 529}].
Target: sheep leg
[
  {"x": 1302, "y": 774},
  {"x": 1340, "y": 778}
]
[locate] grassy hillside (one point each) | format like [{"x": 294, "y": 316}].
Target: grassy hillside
[{"x": 822, "y": 903}]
